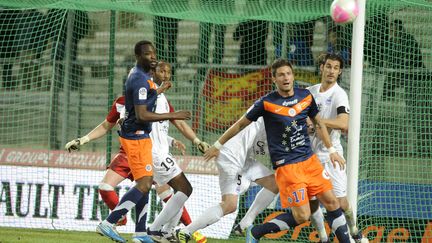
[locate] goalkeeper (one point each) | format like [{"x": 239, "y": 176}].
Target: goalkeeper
[{"x": 118, "y": 170}]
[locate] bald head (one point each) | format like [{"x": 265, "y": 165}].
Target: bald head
[{"x": 162, "y": 72}]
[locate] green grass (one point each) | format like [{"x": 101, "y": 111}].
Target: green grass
[
  {"x": 21, "y": 235},
  {"x": 12, "y": 235}
]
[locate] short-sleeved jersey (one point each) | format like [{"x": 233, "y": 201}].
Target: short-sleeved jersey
[
  {"x": 140, "y": 90},
  {"x": 330, "y": 103},
  {"x": 114, "y": 114},
  {"x": 285, "y": 125},
  {"x": 249, "y": 142},
  {"x": 159, "y": 134}
]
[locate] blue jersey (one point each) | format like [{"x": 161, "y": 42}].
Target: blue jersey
[
  {"x": 285, "y": 125},
  {"x": 140, "y": 90}
]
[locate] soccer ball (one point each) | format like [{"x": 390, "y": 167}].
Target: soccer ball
[{"x": 344, "y": 11}]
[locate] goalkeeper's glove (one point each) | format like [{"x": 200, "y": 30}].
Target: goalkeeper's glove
[
  {"x": 202, "y": 146},
  {"x": 76, "y": 143}
]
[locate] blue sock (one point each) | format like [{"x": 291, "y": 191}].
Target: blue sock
[
  {"x": 337, "y": 222},
  {"x": 281, "y": 222},
  {"x": 141, "y": 214},
  {"x": 127, "y": 202}
]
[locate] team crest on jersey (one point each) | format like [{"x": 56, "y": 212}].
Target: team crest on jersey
[
  {"x": 326, "y": 175},
  {"x": 292, "y": 112},
  {"x": 148, "y": 168},
  {"x": 142, "y": 93},
  {"x": 290, "y": 200},
  {"x": 328, "y": 101}
]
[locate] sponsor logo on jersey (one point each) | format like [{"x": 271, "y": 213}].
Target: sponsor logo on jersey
[
  {"x": 288, "y": 103},
  {"x": 279, "y": 162}
]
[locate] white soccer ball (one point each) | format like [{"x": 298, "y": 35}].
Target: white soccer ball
[{"x": 344, "y": 11}]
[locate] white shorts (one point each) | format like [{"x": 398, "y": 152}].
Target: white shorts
[
  {"x": 338, "y": 177},
  {"x": 165, "y": 168},
  {"x": 236, "y": 180}
]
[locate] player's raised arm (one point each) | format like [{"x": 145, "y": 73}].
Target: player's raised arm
[
  {"x": 187, "y": 131},
  {"x": 323, "y": 133},
  {"x": 143, "y": 115},
  {"x": 213, "y": 151},
  {"x": 99, "y": 131}
]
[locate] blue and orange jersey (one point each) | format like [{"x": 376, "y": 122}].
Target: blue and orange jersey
[
  {"x": 285, "y": 125},
  {"x": 139, "y": 90}
]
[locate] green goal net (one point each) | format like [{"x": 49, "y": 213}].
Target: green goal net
[{"x": 64, "y": 62}]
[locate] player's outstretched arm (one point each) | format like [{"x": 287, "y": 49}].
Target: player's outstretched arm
[
  {"x": 99, "y": 131},
  {"x": 323, "y": 134},
  {"x": 143, "y": 115},
  {"x": 187, "y": 131},
  {"x": 213, "y": 151}
]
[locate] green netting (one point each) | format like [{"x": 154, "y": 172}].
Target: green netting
[{"x": 62, "y": 62}]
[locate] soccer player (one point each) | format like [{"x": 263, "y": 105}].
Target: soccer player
[
  {"x": 299, "y": 174},
  {"x": 238, "y": 167},
  {"x": 165, "y": 166},
  {"x": 333, "y": 105},
  {"x": 140, "y": 98},
  {"x": 119, "y": 170}
]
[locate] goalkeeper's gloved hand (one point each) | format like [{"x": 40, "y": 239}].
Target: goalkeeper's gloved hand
[
  {"x": 202, "y": 146},
  {"x": 76, "y": 143}
]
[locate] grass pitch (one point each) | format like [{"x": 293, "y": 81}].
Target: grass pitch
[{"x": 24, "y": 235}]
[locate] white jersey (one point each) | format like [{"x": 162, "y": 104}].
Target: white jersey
[
  {"x": 237, "y": 162},
  {"x": 328, "y": 102},
  {"x": 164, "y": 165},
  {"x": 248, "y": 143},
  {"x": 159, "y": 133}
]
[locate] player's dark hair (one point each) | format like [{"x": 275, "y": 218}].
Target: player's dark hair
[
  {"x": 280, "y": 63},
  {"x": 332, "y": 56},
  {"x": 141, "y": 43}
]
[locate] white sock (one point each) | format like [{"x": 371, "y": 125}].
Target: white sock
[
  {"x": 170, "y": 210},
  {"x": 165, "y": 194},
  {"x": 349, "y": 215},
  {"x": 317, "y": 219},
  {"x": 208, "y": 217},
  {"x": 263, "y": 198},
  {"x": 169, "y": 227}
]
